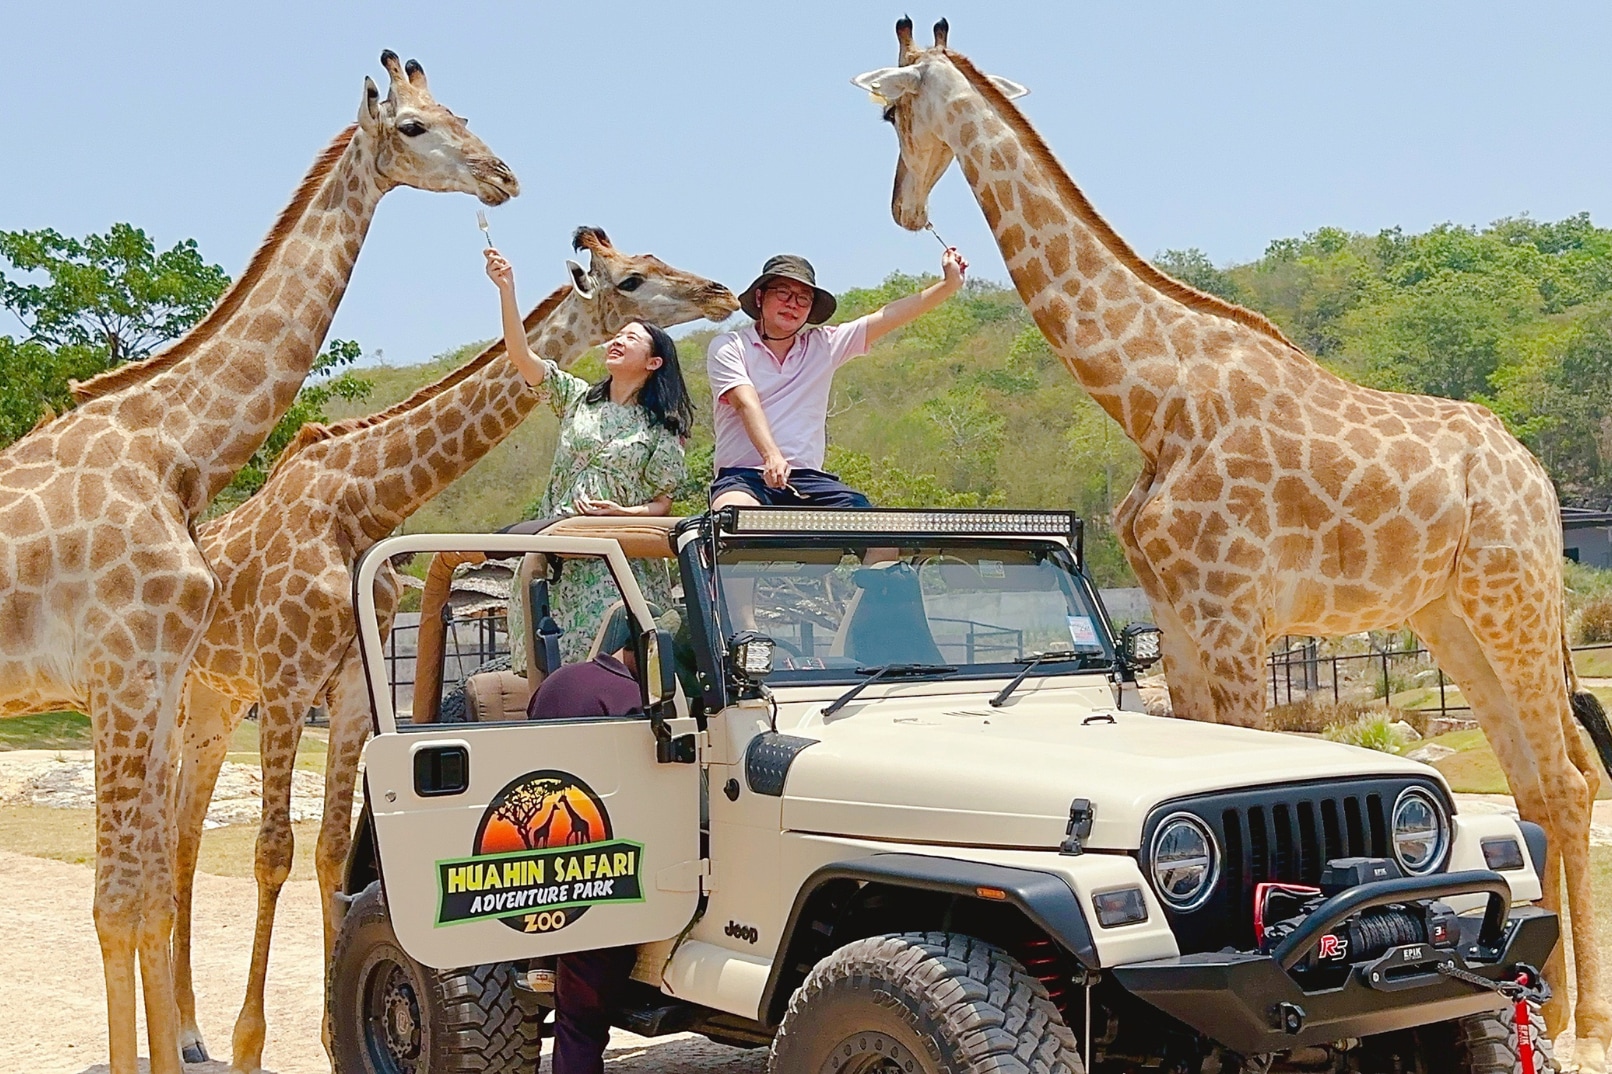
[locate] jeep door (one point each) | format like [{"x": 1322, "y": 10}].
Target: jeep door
[{"x": 506, "y": 838}]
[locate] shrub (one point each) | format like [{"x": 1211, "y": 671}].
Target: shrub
[
  {"x": 1595, "y": 621},
  {"x": 1313, "y": 715},
  {"x": 1375, "y": 732}
]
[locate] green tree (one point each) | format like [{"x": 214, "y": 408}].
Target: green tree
[
  {"x": 1192, "y": 266},
  {"x": 88, "y": 304},
  {"x": 112, "y": 293}
]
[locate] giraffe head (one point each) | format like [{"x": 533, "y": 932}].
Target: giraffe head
[
  {"x": 419, "y": 143},
  {"x": 914, "y": 95},
  {"x": 618, "y": 287}
]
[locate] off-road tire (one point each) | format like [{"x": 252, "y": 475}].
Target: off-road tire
[
  {"x": 469, "y": 1020},
  {"x": 1487, "y": 1044},
  {"x": 922, "y": 1003},
  {"x": 454, "y": 708}
]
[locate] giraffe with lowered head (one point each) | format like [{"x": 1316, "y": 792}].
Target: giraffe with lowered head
[
  {"x": 103, "y": 592},
  {"x": 284, "y": 636},
  {"x": 1276, "y": 498}
]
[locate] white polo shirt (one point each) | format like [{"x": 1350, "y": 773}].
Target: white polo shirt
[{"x": 793, "y": 392}]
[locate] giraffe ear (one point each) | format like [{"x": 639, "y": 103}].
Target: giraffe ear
[
  {"x": 581, "y": 282},
  {"x": 1010, "y": 89},
  {"x": 888, "y": 84},
  {"x": 369, "y": 106}
]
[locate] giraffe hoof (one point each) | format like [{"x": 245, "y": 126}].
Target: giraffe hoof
[{"x": 194, "y": 1052}]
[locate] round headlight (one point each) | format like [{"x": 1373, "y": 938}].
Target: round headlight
[
  {"x": 1421, "y": 831},
  {"x": 1185, "y": 861}
]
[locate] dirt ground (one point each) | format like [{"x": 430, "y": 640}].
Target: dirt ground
[
  {"x": 51, "y": 993},
  {"x": 53, "y": 1002}
]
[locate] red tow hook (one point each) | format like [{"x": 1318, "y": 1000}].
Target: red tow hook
[{"x": 1525, "y": 1025}]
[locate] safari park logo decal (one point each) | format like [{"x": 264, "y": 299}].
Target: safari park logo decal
[{"x": 544, "y": 853}]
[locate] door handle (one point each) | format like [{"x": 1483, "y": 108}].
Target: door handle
[{"x": 441, "y": 770}]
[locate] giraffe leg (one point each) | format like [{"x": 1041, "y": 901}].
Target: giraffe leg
[
  {"x": 280, "y": 716},
  {"x": 1458, "y": 654},
  {"x": 136, "y": 740},
  {"x": 1183, "y": 664},
  {"x": 349, "y": 728},
  {"x": 1527, "y": 665},
  {"x": 209, "y": 720}
]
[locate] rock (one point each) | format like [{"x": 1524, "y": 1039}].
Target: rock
[
  {"x": 1406, "y": 732},
  {"x": 1443, "y": 725},
  {"x": 1429, "y": 753}
]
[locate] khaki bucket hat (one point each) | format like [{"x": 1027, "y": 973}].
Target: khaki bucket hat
[{"x": 789, "y": 267}]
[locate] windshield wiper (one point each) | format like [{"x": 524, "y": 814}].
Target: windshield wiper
[
  {"x": 1056, "y": 656},
  {"x": 885, "y": 671}
]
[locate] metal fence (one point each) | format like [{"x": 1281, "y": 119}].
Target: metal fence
[
  {"x": 469, "y": 643},
  {"x": 1298, "y": 671}
]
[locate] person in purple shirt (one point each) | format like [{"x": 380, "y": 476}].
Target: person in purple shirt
[
  {"x": 771, "y": 383},
  {"x": 589, "y": 985}
]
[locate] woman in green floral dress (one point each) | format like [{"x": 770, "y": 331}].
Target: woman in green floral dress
[{"x": 620, "y": 452}]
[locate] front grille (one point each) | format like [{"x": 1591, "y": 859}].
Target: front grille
[{"x": 1282, "y": 834}]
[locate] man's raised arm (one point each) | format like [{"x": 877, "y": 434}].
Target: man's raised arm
[{"x": 905, "y": 310}]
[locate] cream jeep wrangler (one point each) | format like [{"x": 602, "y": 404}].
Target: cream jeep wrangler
[{"x": 889, "y": 808}]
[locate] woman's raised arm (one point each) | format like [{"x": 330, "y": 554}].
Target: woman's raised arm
[{"x": 503, "y": 275}]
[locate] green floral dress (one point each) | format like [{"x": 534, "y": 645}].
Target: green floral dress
[{"x": 606, "y": 451}]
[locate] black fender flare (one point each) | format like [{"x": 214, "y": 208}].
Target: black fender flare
[{"x": 1046, "y": 899}]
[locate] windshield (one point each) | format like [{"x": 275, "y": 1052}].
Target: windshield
[{"x": 979, "y": 606}]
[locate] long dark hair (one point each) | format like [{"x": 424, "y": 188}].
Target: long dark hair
[{"x": 664, "y": 396}]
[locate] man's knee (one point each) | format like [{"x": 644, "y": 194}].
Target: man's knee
[{"x": 734, "y": 498}]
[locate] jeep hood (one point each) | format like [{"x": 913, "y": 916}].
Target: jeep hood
[{"x": 912, "y": 770}]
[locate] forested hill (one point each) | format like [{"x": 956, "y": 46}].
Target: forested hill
[{"x": 968, "y": 406}]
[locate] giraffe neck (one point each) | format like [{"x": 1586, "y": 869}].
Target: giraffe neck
[
  {"x": 1109, "y": 326},
  {"x": 413, "y": 455},
  {"x": 222, "y": 399}
]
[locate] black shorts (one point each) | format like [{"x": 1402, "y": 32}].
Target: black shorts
[{"x": 806, "y": 488}]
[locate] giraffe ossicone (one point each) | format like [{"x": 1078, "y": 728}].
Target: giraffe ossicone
[{"x": 1275, "y": 497}]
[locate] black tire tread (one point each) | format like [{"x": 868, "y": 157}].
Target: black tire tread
[
  {"x": 1488, "y": 1043},
  {"x": 483, "y": 1024},
  {"x": 995, "y": 1016}
]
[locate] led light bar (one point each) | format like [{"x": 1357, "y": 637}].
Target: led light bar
[{"x": 997, "y": 523}]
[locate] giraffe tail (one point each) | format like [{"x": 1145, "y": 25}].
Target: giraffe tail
[{"x": 1589, "y": 712}]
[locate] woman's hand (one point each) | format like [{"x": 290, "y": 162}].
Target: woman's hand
[
  {"x": 586, "y": 506},
  {"x": 499, "y": 270},
  {"x": 953, "y": 267}
]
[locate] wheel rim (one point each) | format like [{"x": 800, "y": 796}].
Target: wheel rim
[
  {"x": 391, "y": 1021},
  {"x": 870, "y": 1053}
]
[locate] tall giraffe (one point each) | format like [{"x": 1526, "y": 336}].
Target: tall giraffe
[
  {"x": 103, "y": 592},
  {"x": 284, "y": 635},
  {"x": 1276, "y": 498}
]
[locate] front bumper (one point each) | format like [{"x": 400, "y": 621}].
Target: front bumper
[{"x": 1250, "y": 1003}]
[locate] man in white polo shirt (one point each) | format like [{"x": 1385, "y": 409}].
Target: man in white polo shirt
[{"x": 770, "y": 382}]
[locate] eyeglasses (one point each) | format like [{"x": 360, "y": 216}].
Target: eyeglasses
[{"x": 791, "y": 297}]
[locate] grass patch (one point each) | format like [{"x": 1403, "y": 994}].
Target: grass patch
[
  {"x": 1594, "y": 663},
  {"x": 46, "y": 731},
  {"x": 71, "y": 731},
  {"x": 1473, "y": 769},
  {"x": 69, "y": 835},
  {"x": 311, "y": 750}
]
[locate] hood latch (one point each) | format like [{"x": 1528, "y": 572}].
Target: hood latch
[{"x": 1081, "y": 814}]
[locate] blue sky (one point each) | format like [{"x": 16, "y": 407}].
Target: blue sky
[{"x": 717, "y": 134}]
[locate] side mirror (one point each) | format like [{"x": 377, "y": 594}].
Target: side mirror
[
  {"x": 659, "y": 669},
  {"x": 1140, "y": 646}
]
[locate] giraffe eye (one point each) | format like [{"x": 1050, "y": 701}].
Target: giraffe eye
[
  {"x": 411, "y": 128},
  {"x": 890, "y": 113},
  {"x": 631, "y": 283}
]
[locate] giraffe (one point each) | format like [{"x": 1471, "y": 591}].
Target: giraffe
[
  {"x": 103, "y": 592},
  {"x": 1276, "y": 498},
  {"x": 578, "y": 831},
  {"x": 284, "y": 635}
]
